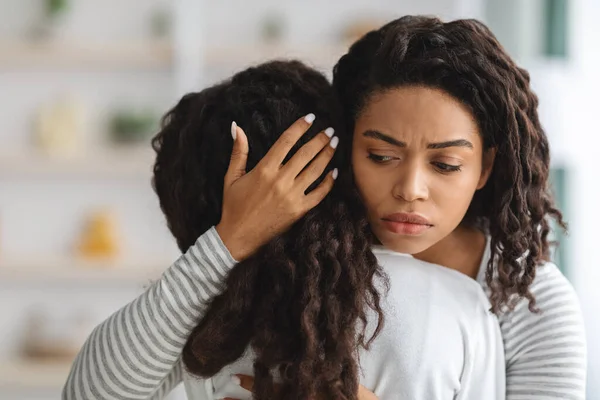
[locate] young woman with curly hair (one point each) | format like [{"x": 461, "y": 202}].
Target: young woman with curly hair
[
  {"x": 303, "y": 311},
  {"x": 435, "y": 107},
  {"x": 452, "y": 164}
]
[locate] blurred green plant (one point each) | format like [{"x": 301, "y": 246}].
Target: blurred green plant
[
  {"x": 55, "y": 8},
  {"x": 273, "y": 27},
  {"x": 52, "y": 16},
  {"x": 161, "y": 23},
  {"x": 130, "y": 127}
]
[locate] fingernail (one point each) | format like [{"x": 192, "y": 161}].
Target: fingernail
[
  {"x": 329, "y": 132},
  {"x": 334, "y": 142},
  {"x": 233, "y": 130},
  {"x": 335, "y": 173},
  {"x": 310, "y": 118},
  {"x": 236, "y": 380}
]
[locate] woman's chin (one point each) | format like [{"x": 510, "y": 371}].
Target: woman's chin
[{"x": 407, "y": 244}]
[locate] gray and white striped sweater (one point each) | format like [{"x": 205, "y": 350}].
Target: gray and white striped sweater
[{"x": 136, "y": 353}]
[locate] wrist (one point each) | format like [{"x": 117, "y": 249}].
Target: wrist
[{"x": 234, "y": 244}]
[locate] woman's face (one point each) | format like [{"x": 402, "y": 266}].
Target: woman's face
[{"x": 418, "y": 160}]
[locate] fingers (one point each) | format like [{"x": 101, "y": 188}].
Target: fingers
[
  {"x": 244, "y": 381},
  {"x": 288, "y": 139},
  {"x": 247, "y": 382},
  {"x": 239, "y": 155},
  {"x": 308, "y": 152},
  {"x": 366, "y": 394},
  {"x": 318, "y": 194},
  {"x": 317, "y": 166}
]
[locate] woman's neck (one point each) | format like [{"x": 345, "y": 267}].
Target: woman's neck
[{"x": 462, "y": 250}]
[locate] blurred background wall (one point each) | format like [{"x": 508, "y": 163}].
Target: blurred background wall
[{"x": 84, "y": 82}]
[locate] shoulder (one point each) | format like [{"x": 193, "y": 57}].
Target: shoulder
[
  {"x": 555, "y": 298},
  {"x": 556, "y": 333},
  {"x": 546, "y": 351},
  {"x": 438, "y": 282},
  {"x": 549, "y": 277},
  {"x": 554, "y": 295}
]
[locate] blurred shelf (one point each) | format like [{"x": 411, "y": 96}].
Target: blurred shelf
[
  {"x": 33, "y": 374},
  {"x": 322, "y": 55},
  {"x": 154, "y": 55},
  {"x": 122, "y": 55},
  {"x": 121, "y": 163},
  {"x": 73, "y": 270}
]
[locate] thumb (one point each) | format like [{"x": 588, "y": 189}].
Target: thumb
[
  {"x": 239, "y": 155},
  {"x": 366, "y": 394}
]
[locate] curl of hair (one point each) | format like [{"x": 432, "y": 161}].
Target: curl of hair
[
  {"x": 299, "y": 303},
  {"x": 464, "y": 59}
]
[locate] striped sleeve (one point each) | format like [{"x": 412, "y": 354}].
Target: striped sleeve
[
  {"x": 136, "y": 352},
  {"x": 546, "y": 352}
]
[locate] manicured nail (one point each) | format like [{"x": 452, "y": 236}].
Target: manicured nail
[
  {"x": 233, "y": 130},
  {"x": 310, "y": 118},
  {"x": 334, "y": 142},
  {"x": 329, "y": 132},
  {"x": 335, "y": 173},
  {"x": 236, "y": 380}
]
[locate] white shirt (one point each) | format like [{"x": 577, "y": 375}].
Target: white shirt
[{"x": 439, "y": 341}]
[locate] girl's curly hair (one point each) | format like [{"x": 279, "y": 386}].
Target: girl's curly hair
[
  {"x": 464, "y": 59},
  {"x": 300, "y": 300}
]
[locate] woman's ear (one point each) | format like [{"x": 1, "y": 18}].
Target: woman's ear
[{"x": 489, "y": 156}]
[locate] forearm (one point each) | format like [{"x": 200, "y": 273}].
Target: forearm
[{"x": 136, "y": 352}]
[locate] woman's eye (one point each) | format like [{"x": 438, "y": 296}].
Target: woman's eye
[
  {"x": 379, "y": 159},
  {"x": 443, "y": 167}
]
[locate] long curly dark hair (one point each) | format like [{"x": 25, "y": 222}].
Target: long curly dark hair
[
  {"x": 299, "y": 302},
  {"x": 464, "y": 59}
]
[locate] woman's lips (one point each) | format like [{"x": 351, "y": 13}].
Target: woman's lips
[{"x": 406, "y": 223}]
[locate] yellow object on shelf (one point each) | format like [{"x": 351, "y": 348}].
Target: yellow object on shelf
[
  {"x": 59, "y": 126},
  {"x": 99, "y": 237}
]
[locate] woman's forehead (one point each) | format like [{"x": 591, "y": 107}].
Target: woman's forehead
[{"x": 418, "y": 110}]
